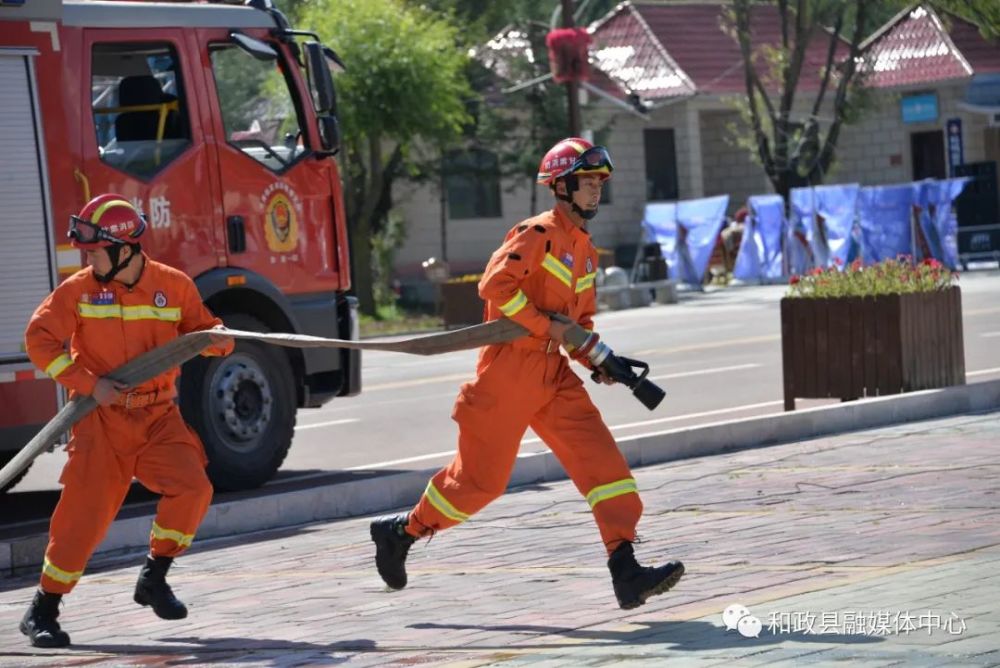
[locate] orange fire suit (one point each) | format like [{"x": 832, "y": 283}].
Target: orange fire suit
[
  {"x": 142, "y": 435},
  {"x": 545, "y": 264}
]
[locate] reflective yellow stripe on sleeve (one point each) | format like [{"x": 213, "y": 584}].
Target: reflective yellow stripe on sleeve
[
  {"x": 558, "y": 269},
  {"x": 59, "y": 575},
  {"x": 58, "y": 365},
  {"x": 442, "y": 504},
  {"x": 586, "y": 281},
  {"x": 518, "y": 302},
  {"x": 611, "y": 490},
  {"x": 182, "y": 539}
]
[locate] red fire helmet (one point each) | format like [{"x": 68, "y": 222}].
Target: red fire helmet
[
  {"x": 104, "y": 221},
  {"x": 574, "y": 156}
]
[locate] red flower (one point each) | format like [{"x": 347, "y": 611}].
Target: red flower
[
  {"x": 837, "y": 261},
  {"x": 794, "y": 280}
]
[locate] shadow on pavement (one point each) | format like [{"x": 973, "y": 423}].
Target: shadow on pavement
[
  {"x": 691, "y": 636},
  {"x": 197, "y": 651}
]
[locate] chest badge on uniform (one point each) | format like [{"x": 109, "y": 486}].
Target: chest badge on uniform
[
  {"x": 590, "y": 266},
  {"x": 159, "y": 299},
  {"x": 102, "y": 298},
  {"x": 567, "y": 259}
]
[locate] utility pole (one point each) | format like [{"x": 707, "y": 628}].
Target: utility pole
[{"x": 572, "y": 86}]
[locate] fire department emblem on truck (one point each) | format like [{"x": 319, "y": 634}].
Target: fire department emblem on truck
[{"x": 281, "y": 221}]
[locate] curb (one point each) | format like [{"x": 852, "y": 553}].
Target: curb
[{"x": 376, "y": 494}]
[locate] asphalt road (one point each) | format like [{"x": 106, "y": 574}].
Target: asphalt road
[{"x": 717, "y": 354}]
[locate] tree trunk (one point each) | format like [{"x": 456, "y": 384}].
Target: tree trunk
[
  {"x": 443, "y": 212},
  {"x": 362, "y": 261}
]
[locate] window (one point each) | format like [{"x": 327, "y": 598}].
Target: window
[
  {"x": 661, "y": 164},
  {"x": 258, "y": 113},
  {"x": 473, "y": 181},
  {"x": 139, "y": 107}
]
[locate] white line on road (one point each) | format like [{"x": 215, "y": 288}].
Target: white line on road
[
  {"x": 325, "y": 424},
  {"x": 711, "y": 344},
  {"x": 468, "y": 375},
  {"x": 689, "y": 416},
  {"x": 701, "y": 372},
  {"x": 676, "y": 418}
]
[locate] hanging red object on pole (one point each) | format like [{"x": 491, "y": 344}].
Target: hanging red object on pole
[{"x": 568, "y": 54}]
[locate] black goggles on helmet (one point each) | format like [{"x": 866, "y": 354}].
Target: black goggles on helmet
[
  {"x": 593, "y": 159},
  {"x": 85, "y": 232}
]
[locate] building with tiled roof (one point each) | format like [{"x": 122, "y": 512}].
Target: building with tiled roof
[
  {"x": 660, "y": 51},
  {"x": 667, "y": 84}
]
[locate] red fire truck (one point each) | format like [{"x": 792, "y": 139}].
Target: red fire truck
[{"x": 219, "y": 122}]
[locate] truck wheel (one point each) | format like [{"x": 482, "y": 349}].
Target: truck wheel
[
  {"x": 5, "y": 458},
  {"x": 243, "y": 407}
]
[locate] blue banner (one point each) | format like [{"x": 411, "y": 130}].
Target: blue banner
[
  {"x": 886, "y": 218},
  {"x": 825, "y": 215},
  {"x": 687, "y": 232},
  {"x": 760, "y": 250},
  {"x": 937, "y": 222}
]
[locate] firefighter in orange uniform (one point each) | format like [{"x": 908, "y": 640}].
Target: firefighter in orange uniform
[
  {"x": 546, "y": 264},
  {"x": 120, "y": 306}
]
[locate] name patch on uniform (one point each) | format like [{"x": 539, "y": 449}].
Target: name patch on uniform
[
  {"x": 102, "y": 298},
  {"x": 159, "y": 299},
  {"x": 567, "y": 259}
]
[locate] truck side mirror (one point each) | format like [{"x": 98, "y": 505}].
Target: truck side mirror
[
  {"x": 329, "y": 133},
  {"x": 256, "y": 48},
  {"x": 320, "y": 79}
]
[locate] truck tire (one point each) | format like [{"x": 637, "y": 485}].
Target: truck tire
[
  {"x": 5, "y": 458},
  {"x": 243, "y": 408}
]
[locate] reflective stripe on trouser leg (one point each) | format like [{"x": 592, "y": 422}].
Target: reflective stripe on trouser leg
[
  {"x": 94, "y": 486},
  {"x": 573, "y": 428}
]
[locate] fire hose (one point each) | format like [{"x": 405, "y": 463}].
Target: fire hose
[{"x": 176, "y": 352}]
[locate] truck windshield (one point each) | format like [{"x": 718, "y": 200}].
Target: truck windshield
[{"x": 258, "y": 110}]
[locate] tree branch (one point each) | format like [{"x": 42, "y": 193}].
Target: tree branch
[
  {"x": 830, "y": 55},
  {"x": 840, "y": 101},
  {"x": 793, "y": 62},
  {"x": 741, "y": 12}
]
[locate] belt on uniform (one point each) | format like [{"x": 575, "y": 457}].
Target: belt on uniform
[
  {"x": 140, "y": 399},
  {"x": 547, "y": 346}
]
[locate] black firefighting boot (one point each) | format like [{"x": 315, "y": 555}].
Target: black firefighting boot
[
  {"x": 152, "y": 589},
  {"x": 634, "y": 583},
  {"x": 392, "y": 544},
  {"x": 39, "y": 622}
]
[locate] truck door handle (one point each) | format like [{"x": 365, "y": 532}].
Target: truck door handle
[{"x": 236, "y": 233}]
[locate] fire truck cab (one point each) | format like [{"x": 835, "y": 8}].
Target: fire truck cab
[{"x": 219, "y": 122}]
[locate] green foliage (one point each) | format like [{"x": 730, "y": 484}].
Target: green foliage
[
  {"x": 385, "y": 243},
  {"x": 404, "y": 76},
  {"x": 404, "y": 85},
  {"x": 884, "y": 278}
]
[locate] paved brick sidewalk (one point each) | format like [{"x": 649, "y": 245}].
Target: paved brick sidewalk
[{"x": 878, "y": 547}]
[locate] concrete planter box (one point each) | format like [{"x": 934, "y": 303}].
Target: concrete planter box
[{"x": 853, "y": 347}]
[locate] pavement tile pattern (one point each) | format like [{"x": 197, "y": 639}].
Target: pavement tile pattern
[{"x": 877, "y": 547}]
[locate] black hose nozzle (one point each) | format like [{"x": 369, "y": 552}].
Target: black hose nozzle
[{"x": 620, "y": 369}]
